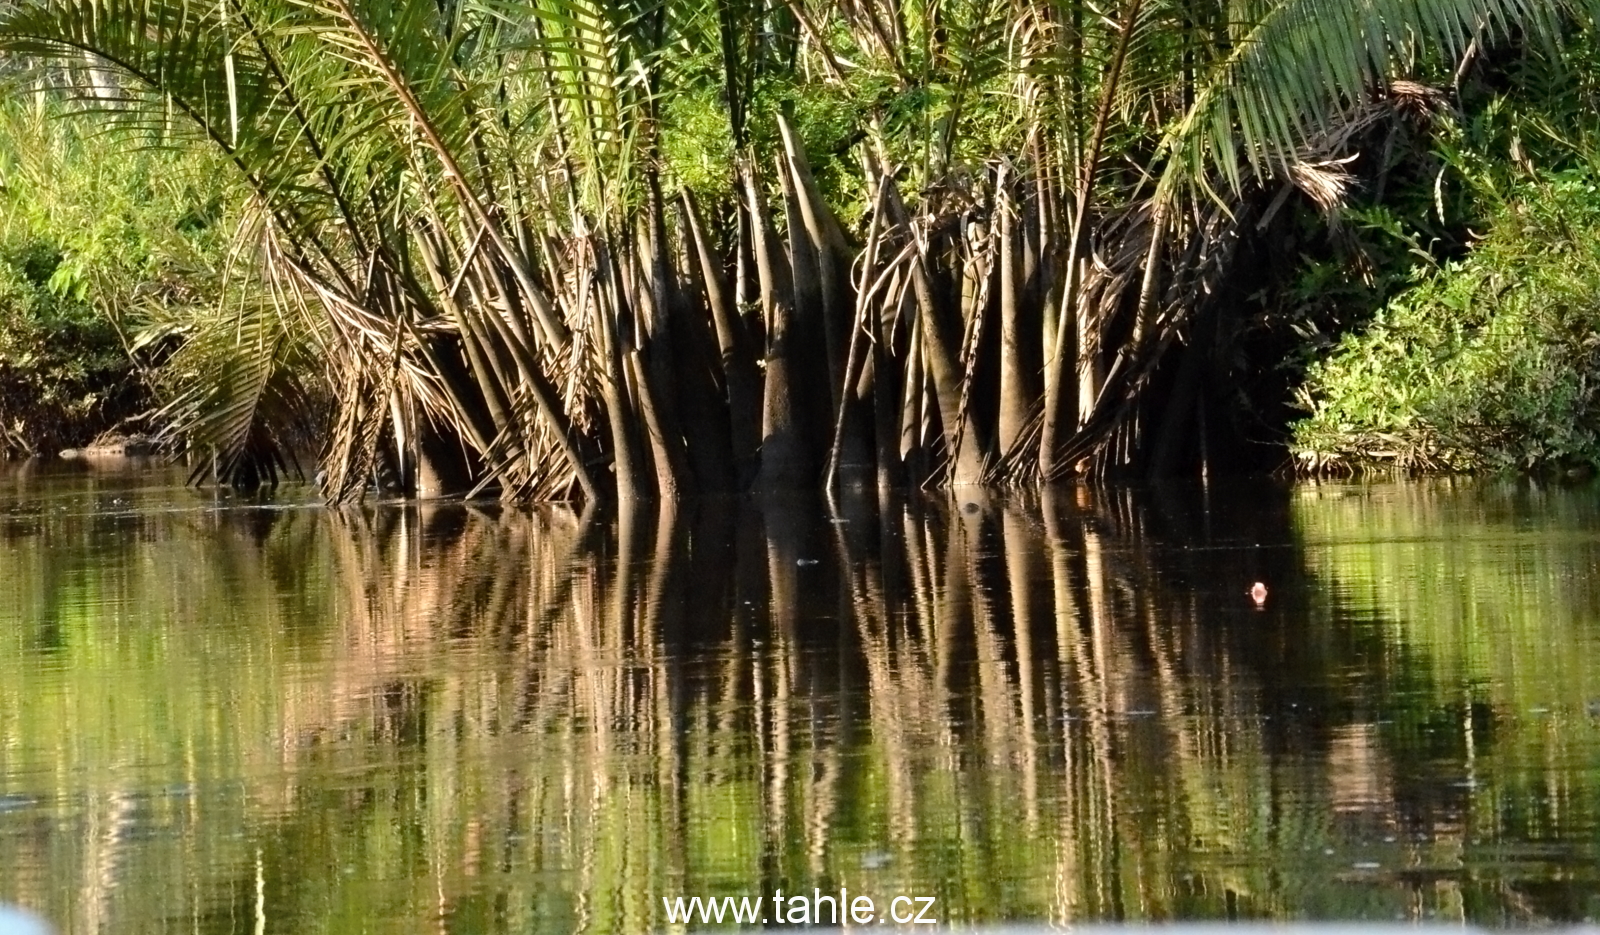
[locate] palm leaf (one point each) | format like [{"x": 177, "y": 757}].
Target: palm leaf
[
  {"x": 238, "y": 389},
  {"x": 1300, "y": 66}
]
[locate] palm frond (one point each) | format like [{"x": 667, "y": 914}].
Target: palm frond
[
  {"x": 238, "y": 392},
  {"x": 1299, "y": 66}
]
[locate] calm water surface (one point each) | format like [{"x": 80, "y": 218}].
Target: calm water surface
[{"x": 220, "y": 715}]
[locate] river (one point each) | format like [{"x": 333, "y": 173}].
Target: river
[{"x": 221, "y": 714}]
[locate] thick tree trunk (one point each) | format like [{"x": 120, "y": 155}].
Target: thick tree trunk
[
  {"x": 654, "y": 368},
  {"x": 671, "y": 473},
  {"x": 443, "y": 467},
  {"x": 702, "y": 400},
  {"x": 1091, "y": 363},
  {"x": 1087, "y": 362},
  {"x": 617, "y": 344},
  {"x": 820, "y": 229},
  {"x": 401, "y": 426},
  {"x": 547, "y": 401},
  {"x": 809, "y": 366},
  {"x": 1018, "y": 386},
  {"x": 653, "y": 401},
  {"x": 701, "y": 395},
  {"x": 1181, "y": 418},
  {"x": 785, "y": 460},
  {"x": 941, "y": 345},
  {"x": 740, "y": 377}
]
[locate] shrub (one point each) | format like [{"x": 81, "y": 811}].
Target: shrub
[
  {"x": 63, "y": 373},
  {"x": 1490, "y": 362},
  {"x": 91, "y": 238}
]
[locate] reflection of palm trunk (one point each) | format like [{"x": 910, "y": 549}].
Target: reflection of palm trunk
[
  {"x": 894, "y": 682},
  {"x": 733, "y": 722},
  {"x": 822, "y": 793},
  {"x": 1190, "y": 766},
  {"x": 102, "y": 856},
  {"x": 924, "y": 585},
  {"x": 785, "y": 525},
  {"x": 595, "y": 642},
  {"x": 657, "y": 643},
  {"x": 948, "y": 612},
  {"x": 566, "y": 599},
  {"x": 1068, "y": 885},
  {"x": 1097, "y": 671},
  {"x": 751, "y": 610},
  {"x": 613, "y": 632},
  {"x": 1091, "y": 819},
  {"x": 508, "y": 562},
  {"x": 999, "y": 718},
  {"x": 1021, "y": 554}
]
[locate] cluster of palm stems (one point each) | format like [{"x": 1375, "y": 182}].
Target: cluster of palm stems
[{"x": 469, "y": 209}]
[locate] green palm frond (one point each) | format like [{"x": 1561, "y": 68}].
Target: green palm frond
[
  {"x": 295, "y": 120},
  {"x": 238, "y": 389},
  {"x": 172, "y": 55},
  {"x": 597, "y": 68},
  {"x": 1297, "y": 67}
]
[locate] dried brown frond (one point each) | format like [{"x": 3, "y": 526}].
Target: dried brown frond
[
  {"x": 1416, "y": 99},
  {"x": 1326, "y": 183}
]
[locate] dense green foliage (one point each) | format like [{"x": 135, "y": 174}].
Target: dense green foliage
[
  {"x": 63, "y": 371},
  {"x": 572, "y": 249},
  {"x": 95, "y": 238},
  {"x": 1491, "y": 360}
]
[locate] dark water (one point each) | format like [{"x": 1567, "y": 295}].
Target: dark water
[{"x": 218, "y": 716}]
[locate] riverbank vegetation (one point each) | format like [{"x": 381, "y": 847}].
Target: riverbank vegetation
[
  {"x": 94, "y": 241},
  {"x": 1488, "y": 363},
  {"x": 569, "y": 249},
  {"x": 1491, "y": 360}
]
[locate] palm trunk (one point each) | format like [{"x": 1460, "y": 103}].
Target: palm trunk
[
  {"x": 941, "y": 349},
  {"x": 740, "y": 376},
  {"x": 1088, "y": 350},
  {"x": 784, "y": 452},
  {"x": 652, "y": 392},
  {"x": 1017, "y": 386},
  {"x": 616, "y": 340},
  {"x": 826, "y": 241}
]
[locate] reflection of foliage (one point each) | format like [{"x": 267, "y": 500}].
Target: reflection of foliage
[
  {"x": 517, "y": 722},
  {"x": 1482, "y": 594},
  {"x": 1494, "y": 616}
]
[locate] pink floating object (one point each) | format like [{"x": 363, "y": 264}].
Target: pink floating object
[{"x": 1258, "y": 593}]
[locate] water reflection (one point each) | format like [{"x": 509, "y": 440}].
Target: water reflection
[{"x": 225, "y": 717}]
